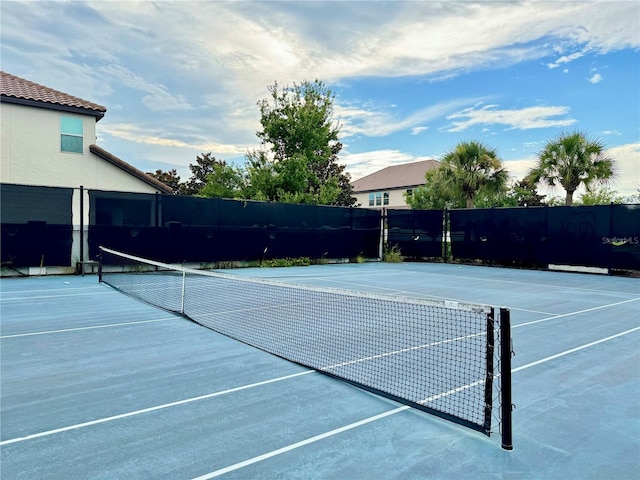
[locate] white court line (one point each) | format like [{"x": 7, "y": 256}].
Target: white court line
[
  {"x": 399, "y": 271},
  {"x": 330, "y": 433},
  {"x": 66, "y": 289},
  {"x": 574, "y": 313},
  {"x": 293, "y": 446},
  {"x": 60, "y": 296},
  {"x": 46, "y": 332},
  {"x": 516, "y": 282},
  {"x": 567, "y": 352},
  {"x": 399, "y": 351},
  {"x": 151, "y": 409}
]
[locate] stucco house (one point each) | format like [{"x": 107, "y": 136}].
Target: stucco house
[
  {"x": 386, "y": 188},
  {"x": 48, "y": 139}
]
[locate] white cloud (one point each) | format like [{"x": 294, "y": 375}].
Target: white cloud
[
  {"x": 627, "y": 167},
  {"x": 518, "y": 169},
  {"x": 417, "y": 130},
  {"x": 262, "y": 41},
  {"x": 142, "y": 135},
  {"x": 567, "y": 59},
  {"x": 597, "y": 78},
  {"x": 523, "y": 119},
  {"x": 159, "y": 98},
  {"x": 218, "y": 57},
  {"x": 378, "y": 122}
]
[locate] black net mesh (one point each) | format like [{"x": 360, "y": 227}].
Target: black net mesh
[{"x": 432, "y": 355}]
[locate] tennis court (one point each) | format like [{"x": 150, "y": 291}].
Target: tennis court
[{"x": 98, "y": 385}]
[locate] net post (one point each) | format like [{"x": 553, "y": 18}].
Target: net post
[
  {"x": 488, "y": 385},
  {"x": 100, "y": 265},
  {"x": 505, "y": 375},
  {"x": 184, "y": 281}
]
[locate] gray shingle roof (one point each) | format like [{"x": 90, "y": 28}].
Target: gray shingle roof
[
  {"x": 406, "y": 175},
  {"x": 14, "y": 89}
]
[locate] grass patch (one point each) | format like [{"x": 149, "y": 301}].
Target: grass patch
[
  {"x": 358, "y": 259},
  {"x": 287, "y": 262},
  {"x": 392, "y": 254}
]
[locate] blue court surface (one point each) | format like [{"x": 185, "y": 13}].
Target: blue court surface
[{"x": 96, "y": 385}]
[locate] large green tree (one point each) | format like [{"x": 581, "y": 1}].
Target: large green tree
[
  {"x": 298, "y": 159},
  {"x": 170, "y": 178},
  {"x": 600, "y": 196},
  {"x": 224, "y": 181},
  {"x": 469, "y": 168},
  {"x": 433, "y": 195},
  {"x": 209, "y": 178},
  {"x": 572, "y": 159},
  {"x": 526, "y": 195},
  {"x": 200, "y": 171}
]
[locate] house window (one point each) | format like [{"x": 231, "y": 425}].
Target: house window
[
  {"x": 385, "y": 198},
  {"x": 379, "y": 198},
  {"x": 71, "y": 134},
  {"x": 410, "y": 193},
  {"x": 371, "y": 199}
]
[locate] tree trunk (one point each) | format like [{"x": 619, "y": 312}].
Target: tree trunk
[
  {"x": 568, "y": 200},
  {"x": 470, "y": 197}
]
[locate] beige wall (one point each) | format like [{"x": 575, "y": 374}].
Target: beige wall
[
  {"x": 396, "y": 199},
  {"x": 31, "y": 153}
]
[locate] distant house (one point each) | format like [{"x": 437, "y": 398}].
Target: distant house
[
  {"x": 48, "y": 139},
  {"x": 386, "y": 188}
]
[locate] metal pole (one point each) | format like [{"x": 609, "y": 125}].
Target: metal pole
[
  {"x": 184, "y": 281},
  {"x": 100, "y": 265},
  {"x": 488, "y": 385},
  {"x": 81, "y": 230},
  {"x": 505, "y": 375}
]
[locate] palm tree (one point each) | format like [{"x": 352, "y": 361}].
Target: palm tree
[
  {"x": 572, "y": 159},
  {"x": 470, "y": 167}
]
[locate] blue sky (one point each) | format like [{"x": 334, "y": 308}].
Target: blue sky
[{"x": 411, "y": 79}]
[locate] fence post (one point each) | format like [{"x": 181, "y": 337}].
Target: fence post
[
  {"x": 82, "y": 227},
  {"x": 157, "y": 210},
  {"x": 383, "y": 232},
  {"x": 610, "y": 233},
  {"x": 445, "y": 235}
]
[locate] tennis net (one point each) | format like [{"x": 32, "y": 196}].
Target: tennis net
[{"x": 446, "y": 358}]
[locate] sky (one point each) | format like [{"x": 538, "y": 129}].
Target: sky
[{"x": 411, "y": 79}]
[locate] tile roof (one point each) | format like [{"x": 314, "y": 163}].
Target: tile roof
[
  {"x": 396, "y": 176},
  {"x": 18, "y": 90},
  {"x": 118, "y": 162}
]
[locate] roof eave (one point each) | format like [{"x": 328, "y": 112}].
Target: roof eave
[
  {"x": 396, "y": 187},
  {"x": 139, "y": 174},
  {"x": 53, "y": 106}
]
